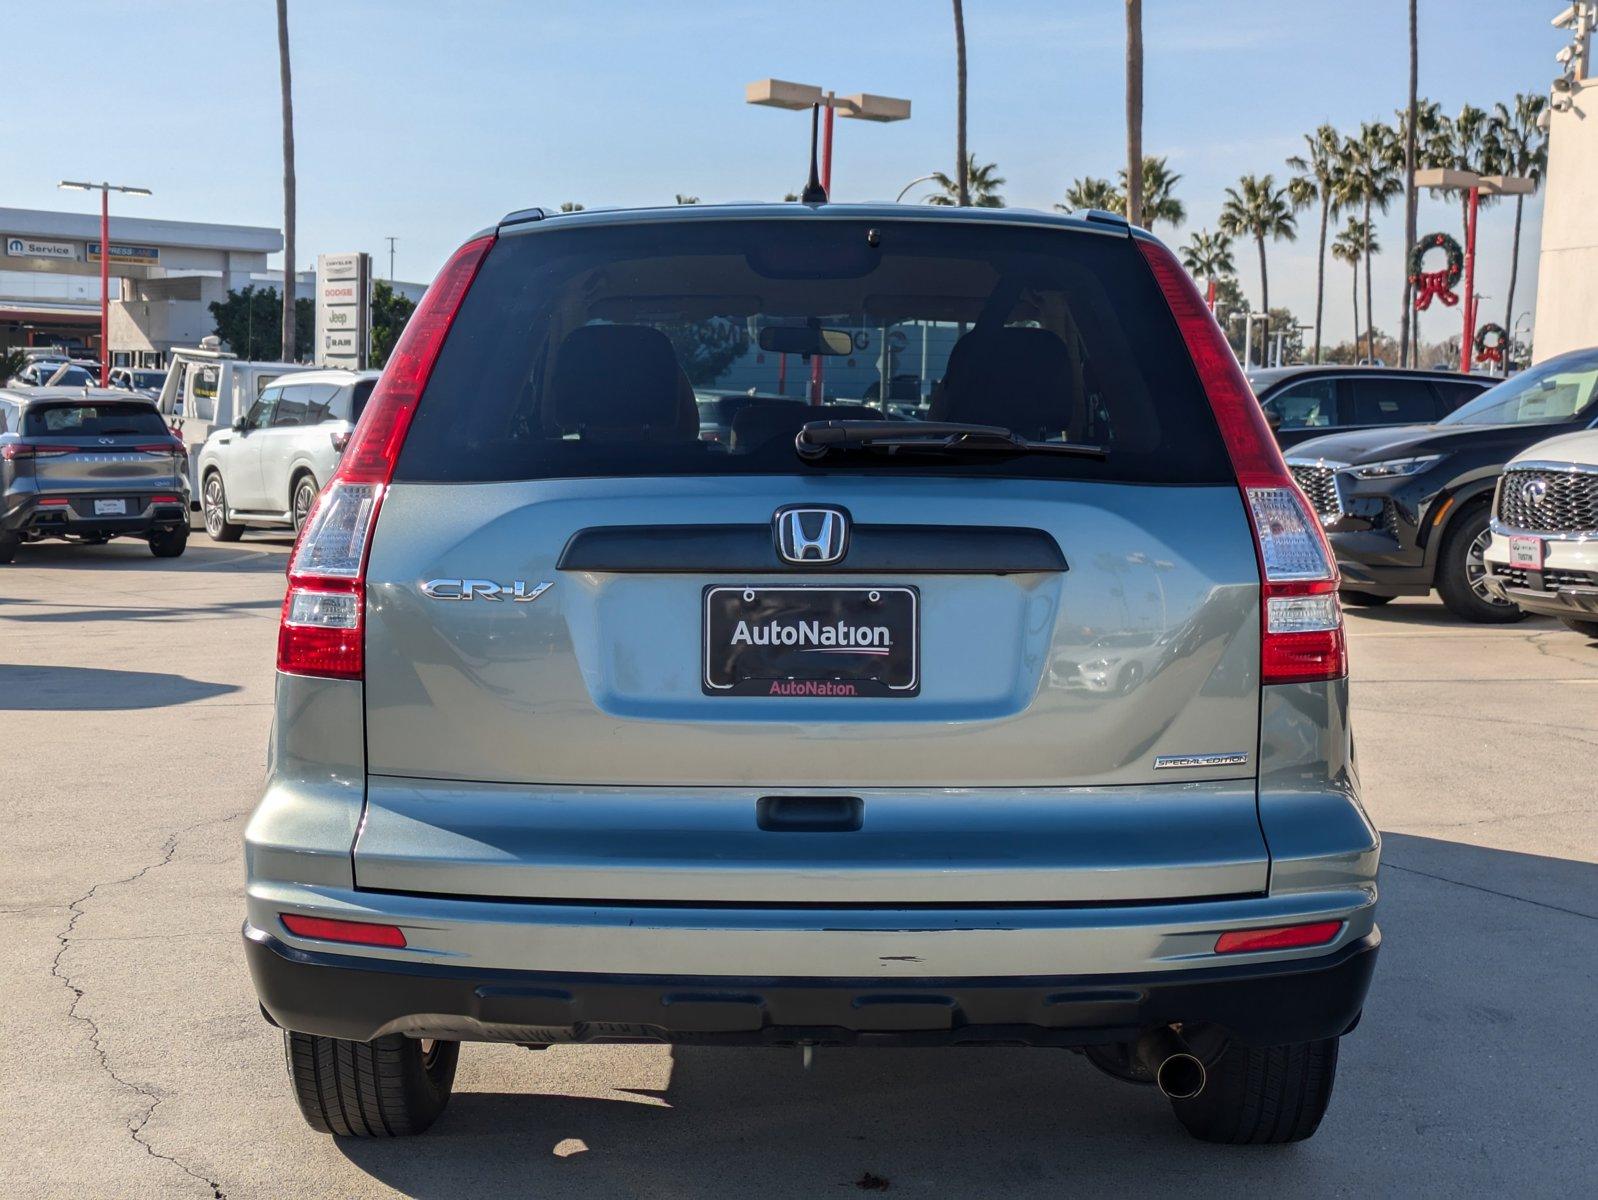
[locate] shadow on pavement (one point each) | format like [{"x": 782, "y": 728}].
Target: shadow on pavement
[
  {"x": 88, "y": 689},
  {"x": 1447, "y": 1086},
  {"x": 265, "y": 553},
  {"x": 1423, "y": 612},
  {"x": 136, "y": 612}
]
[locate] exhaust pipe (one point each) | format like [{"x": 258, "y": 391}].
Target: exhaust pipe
[{"x": 1177, "y": 1071}]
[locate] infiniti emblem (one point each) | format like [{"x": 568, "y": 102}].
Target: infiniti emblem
[
  {"x": 1534, "y": 491},
  {"x": 811, "y": 535}
]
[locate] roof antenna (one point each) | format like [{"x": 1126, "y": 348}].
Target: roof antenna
[{"x": 814, "y": 193}]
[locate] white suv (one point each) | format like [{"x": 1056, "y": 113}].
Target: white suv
[
  {"x": 267, "y": 467},
  {"x": 1544, "y": 552}
]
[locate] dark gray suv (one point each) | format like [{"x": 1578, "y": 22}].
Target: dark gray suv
[{"x": 589, "y": 729}]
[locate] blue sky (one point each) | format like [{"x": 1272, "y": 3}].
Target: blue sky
[{"x": 428, "y": 120}]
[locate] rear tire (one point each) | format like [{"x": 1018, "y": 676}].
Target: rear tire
[
  {"x": 213, "y": 503},
  {"x": 393, "y": 1087},
  {"x": 302, "y": 499},
  {"x": 1364, "y": 599},
  {"x": 8, "y": 546},
  {"x": 1262, "y": 1095},
  {"x": 169, "y": 543},
  {"x": 1461, "y": 568},
  {"x": 1587, "y": 629}
]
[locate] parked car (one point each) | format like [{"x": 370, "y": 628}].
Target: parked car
[
  {"x": 54, "y": 372},
  {"x": 1312, "y": 401},
  {"x": 589, "y": 729},
  {"x": 718, "y": 407},
  {"x": 88, "y": 465},
  {"x": 1408, "y": 509},
  {"x": 1544, "y": 551},
  {"x": 138, "y": 379},
  {"x": 268, "y": 466}
]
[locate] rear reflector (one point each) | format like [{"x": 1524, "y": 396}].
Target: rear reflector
[
  {"x": 1301, "y": 623},
  {"x": 54, "y": 502},
  {"x": 165, "y": 500},
  {"x": 324, "y": 613},
  {"x": 357, "y": 933},
  {"x": 1279, "y": 937}
]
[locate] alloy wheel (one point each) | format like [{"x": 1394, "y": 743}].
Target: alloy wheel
[
  {"x": 1476, "y": 569},
  {"x": 215, "y": 514},
  {"x": 304, "y": 497}
]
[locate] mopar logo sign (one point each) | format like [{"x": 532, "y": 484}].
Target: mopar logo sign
[{"x": 24, "y": 247}]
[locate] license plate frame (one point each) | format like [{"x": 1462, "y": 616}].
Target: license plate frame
[
  {"x": 847, "y": 641},
  {"x": 110, "y": 508},
  {"x": 1527, "y": 553}
]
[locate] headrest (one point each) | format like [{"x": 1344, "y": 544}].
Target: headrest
[
  {"x": 611, "y": 377},
  {"x": 1015, "y": 376},
  {"x": 758, "y": 424}
]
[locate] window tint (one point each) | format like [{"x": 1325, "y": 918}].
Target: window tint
[
  {"x": 6, "y": 417},
  {"x": 104, "y": 419},
  {"x": 579, "y": 351},
  {"x": 1556, "y": 390},
  {"x": 1311, "y": 404},
  {"x": 363, "y": 393},
  {"x": 319, "y": 399},
  {"x": 1378, "y": 401},
  {"x": 260, "y": 414},
  {"x": 1451, "y": 395}
]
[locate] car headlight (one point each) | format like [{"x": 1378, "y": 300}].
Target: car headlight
[{"x": 1395, "y": 468}]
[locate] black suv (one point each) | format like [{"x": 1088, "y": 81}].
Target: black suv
[
  {"x": 1310, "y": 402},
  {"x": 1407, "y": 509}
]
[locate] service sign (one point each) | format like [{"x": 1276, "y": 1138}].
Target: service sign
[{"x": 24, "y": 247}]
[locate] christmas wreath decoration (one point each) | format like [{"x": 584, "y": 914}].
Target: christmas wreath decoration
[
  {"x": 1493, "y": 353},
  {"x": 1438, "y": 284}
]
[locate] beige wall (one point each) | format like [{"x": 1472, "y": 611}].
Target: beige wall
[{"x": 1567, "y": 270}]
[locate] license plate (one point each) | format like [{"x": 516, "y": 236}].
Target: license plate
[
  {"x": 1526, "y": 553},
  {"x": 837, "y": 642},
  {"x": 110, "y": 508}
]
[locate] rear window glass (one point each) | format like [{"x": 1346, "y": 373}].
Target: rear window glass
[
  {"x": 92, "y": 420},
  {"x": 652, "y": 349}
]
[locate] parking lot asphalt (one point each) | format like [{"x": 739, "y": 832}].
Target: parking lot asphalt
[{"x": 135, "y": 698}]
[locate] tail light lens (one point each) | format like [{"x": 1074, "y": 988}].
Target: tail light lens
[
  {"x": 1278, "y": 937},
  {"x": 324, "y": 613},
  {"x": 23, "y": 450},
  {"x": 1301, "y": 622},
  {"x": 332, "y": 929}
]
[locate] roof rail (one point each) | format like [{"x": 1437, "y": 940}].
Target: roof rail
[{"x": 522, "y": 215}]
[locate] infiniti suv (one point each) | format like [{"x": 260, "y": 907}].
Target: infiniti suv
[{"x": 590, "y": 729}]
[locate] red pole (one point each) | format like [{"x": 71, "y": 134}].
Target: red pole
[
  {"x": 826, "y": 186},
  {"x": 1467, "y": 343},
  {"x": 1209, "y": 297},
  {"x": 782, "y": 374},
  {"x": 105, "y": 285}
]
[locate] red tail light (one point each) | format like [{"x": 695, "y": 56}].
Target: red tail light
[
  {"x": 54, "y": 502},
  {"x": 1280, "y": 937},
  {"x": 324, "y": 613},
  {"x": 356, "y": 933},
  {"x": 1301, "y": 623},
  {"x": 18, "y": 450}
]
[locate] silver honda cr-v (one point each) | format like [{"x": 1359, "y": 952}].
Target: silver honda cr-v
[{"x": 1017, "y": 715}]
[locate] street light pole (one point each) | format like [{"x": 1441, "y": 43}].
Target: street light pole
[
  {"x": 105, "y": 190},
  {"x": 1467, "y": 344}
]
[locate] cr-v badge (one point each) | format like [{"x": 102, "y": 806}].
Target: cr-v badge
[{"x": 517, "y": 591}]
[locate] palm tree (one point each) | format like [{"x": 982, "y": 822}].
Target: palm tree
[
  {"x": 1092, "y": 192},
  {"x": 286, "y": 84},
  {"x": 980, "y": 185},
  {"x": 1257, "y": 208},
  {"x": 573, "y": 206},
  {"x": 1371, "y": 162},
  {"x": 1466, "y": 145},
  {"x": 1134, "y": 112},
  {"x": 1159, "y": 194},
  {"x": 1522, "y": 149},
  {"x": 1411, "y": 113},
  {"x": 682, "y": 199},
  {"x": 1208, "y": 256},
  {"x": 961, "y": 159},
  {"x": 1356, "y": 242},
  {"x": 1318, "y": 180}
]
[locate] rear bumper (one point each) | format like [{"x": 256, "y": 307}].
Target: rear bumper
[
  {"x": 26, "y": 515},
  {"x": 360, "y": 998}
]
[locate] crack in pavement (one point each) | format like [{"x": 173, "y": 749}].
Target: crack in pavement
[
  {"x": 64, "y": 937},
  {"x": 1476, "y": 887}
]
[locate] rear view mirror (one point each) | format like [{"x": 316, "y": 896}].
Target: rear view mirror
[
  {"x": 806, "y": 339},
  {"x": 241, "y": 424}
]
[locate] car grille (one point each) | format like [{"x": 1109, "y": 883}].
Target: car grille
[
  {"x": 1567, "y": 503},
  {"x": 1320, "y": 485},
  {"x": 1550, "y": 580}
]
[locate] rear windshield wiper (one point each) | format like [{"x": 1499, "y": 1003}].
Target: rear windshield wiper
[{"x": 938, "y": 437}]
